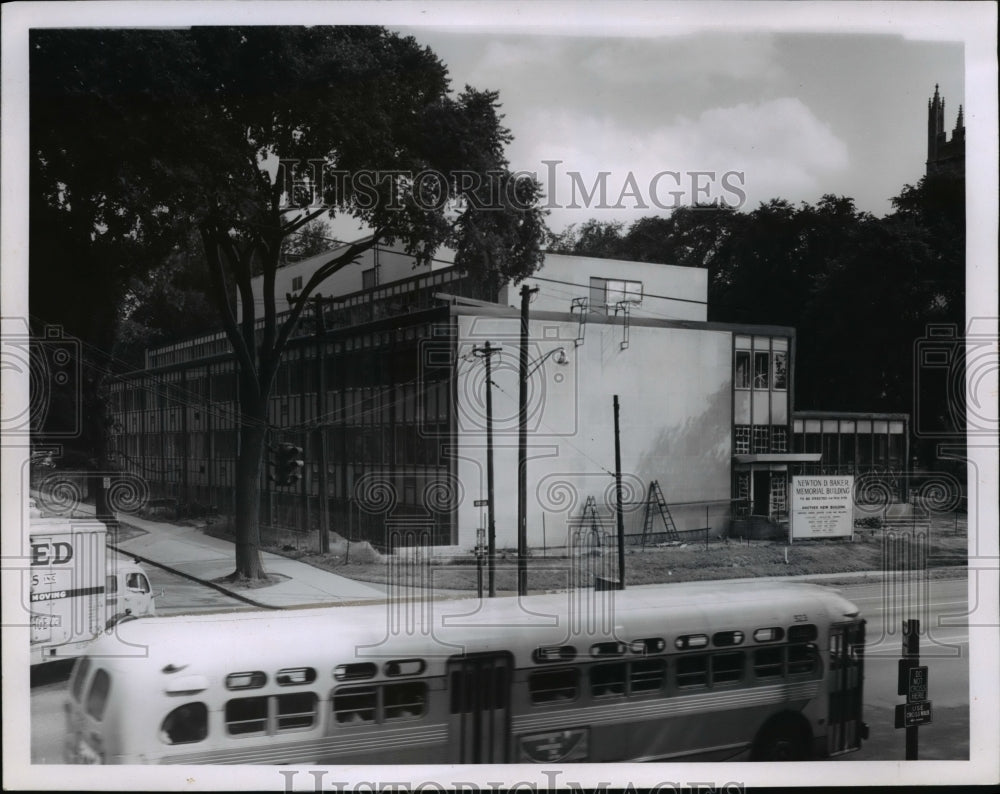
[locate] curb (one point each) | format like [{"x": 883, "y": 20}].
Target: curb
[{"x": 206, "y": 582}]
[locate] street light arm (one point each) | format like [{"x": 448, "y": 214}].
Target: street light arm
[{"x": 559, "y": 350}]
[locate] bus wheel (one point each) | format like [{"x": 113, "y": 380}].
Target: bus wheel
[{"x": 782, "y": 740}]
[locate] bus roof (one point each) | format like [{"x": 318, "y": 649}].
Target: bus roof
[{"x": 436, "y": 630}]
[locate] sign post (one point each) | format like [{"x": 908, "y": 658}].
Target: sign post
[{"x": 912, "y": 682}]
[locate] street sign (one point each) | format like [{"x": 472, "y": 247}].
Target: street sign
[
  {"x": 910, "y": 715},
  {"x": 481, "y": 503},
  {"x": 916, "y": 691}
]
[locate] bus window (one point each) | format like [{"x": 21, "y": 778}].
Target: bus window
[
  {"x": 404, "y": 700},
  {"x": 296, "y": 710},
  {"x": 79, "y": 676},
  {"x": 768, "y": 662},
  {"x": 354, "y": 704},
  {"x": 548, "y": 686},
  {"x": 647, "y": 645},
  {"x": 607, "y": 680},
  {"x": 254, "y": 680},
  {"x": 607, "y": 649},
  {"x": 801, "y": 659},
  {"x": 352, "y": 672},
  {"x": 722, "y": 639},
  {"x": 647, "y": 676},
  {"x": 773, "y": 634},
  {"x": 246, "y": 715},
  {"x": 185, "y": 724},
  {"x": 692, "y": 670},
  {"x": 97, "y": 696},
  {"x": 404, "y": 667},
  {"x": 727, "y": 667},
  {"x": 292, "y": 676},
  {"x": 806, "y": 632}
]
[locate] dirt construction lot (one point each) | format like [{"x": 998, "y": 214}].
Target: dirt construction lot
[{"x": 945, "y": 545}]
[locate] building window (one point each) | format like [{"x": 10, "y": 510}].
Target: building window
[
  {"x": 779, "y": 438},
  {"x": 296, "y": 283},
  {"x": 742, "y": 494},
  {"x": 760, "y": 373},
  {"x": 741, "y": 440},
  {"x": 779, "y": 497},
  {"x": 761, "y": 439},
  {"x": 610, "y": 292},
  {"x": 742, "y": 379},
  {"x": 618, "y": 291},
  {"x": 780, "y": 375}
]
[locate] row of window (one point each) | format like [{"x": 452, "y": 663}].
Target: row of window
[
  {"x": 759, "y": 439},
  {"x": 763, "y": 370},
  {"x": 381, "y": 703},
  {"x": 622, "y": 679},
  {"x": 268, "y": 715}
]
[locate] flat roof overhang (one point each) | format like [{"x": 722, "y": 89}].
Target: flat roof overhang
[{"x": 780, "y": 457}]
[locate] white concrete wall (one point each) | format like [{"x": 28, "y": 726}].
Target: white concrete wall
[
  {"x": 670, "y": 292},
  {"x": 674, "y": 388}
]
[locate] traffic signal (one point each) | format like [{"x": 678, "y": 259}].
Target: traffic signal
[{"x": 288, "y": 469}]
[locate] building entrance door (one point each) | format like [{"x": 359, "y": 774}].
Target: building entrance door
[{"x": 761, "y": 493}]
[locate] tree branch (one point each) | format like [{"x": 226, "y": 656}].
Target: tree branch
[
  {"x": 337, "y": 263},
  {"x": 217, "y": 281}
]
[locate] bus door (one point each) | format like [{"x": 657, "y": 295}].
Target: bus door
[
  {"x": 479, "y": 719},
  {"x": 845, "y": 685}
]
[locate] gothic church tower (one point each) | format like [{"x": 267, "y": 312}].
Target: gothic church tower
[{"x": 944, "y": 156}]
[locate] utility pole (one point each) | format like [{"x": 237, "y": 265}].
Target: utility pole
[
  {"x": 618, "y": 499},
  {"x": 320, "y": 436},
  {"x": 522, "y": 446},
  {"x": 486, "y": 352}
]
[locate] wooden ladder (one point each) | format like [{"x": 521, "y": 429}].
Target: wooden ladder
[{"x": 655, "y": 495}]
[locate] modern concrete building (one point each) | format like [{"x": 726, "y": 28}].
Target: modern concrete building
[{"x": 392, "y": 394}]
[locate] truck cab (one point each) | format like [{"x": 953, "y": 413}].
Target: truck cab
[{"x": 127, "y": 591}]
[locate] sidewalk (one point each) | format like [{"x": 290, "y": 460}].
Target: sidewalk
[{"x": 191, "y": 553}]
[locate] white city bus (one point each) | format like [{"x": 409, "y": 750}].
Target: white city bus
[{"x": 700, "y": 671}]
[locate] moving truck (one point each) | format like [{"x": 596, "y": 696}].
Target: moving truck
[{"x": 77, "y": 590}]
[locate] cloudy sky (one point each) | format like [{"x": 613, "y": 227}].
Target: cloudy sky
[
  {"x": 766, "y": 99},
  {"x": 795, "y": 114}
]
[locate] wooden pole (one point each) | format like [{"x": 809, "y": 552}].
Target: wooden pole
[{"x": 618, "y": 498}]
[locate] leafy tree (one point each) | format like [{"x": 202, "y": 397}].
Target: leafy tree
[
  {"x": 859, "y": 290},
  {"x": 213, "y": 113},
  {"x": 594, "y": 238},
  {"x": 312, "y": 239}
]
